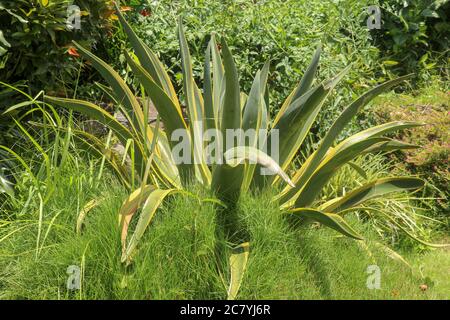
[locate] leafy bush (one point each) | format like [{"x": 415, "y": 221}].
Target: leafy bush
[
  {"x": 415, "y": 36},
  {"x": 35, "y": 43},
  {"x": 284, "y": 32}
]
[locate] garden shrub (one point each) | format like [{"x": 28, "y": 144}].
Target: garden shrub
[
  {"x": 415, "y": 36},
  {"x": 35, "y": 43}
]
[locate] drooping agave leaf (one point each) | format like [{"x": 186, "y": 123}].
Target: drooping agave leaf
[
  {"x": 237, "y": 155},
  {"x": 82, "y": 215},
  {"x": 121, "y": 91},
  {"x": 238, "y": 264},
  {"x": 330, "y": 220},
  {"x": 303, "y": 87},
  {"x": 93, "y": 112},
  {"x": 372, "y": 190},
  {"x": 149, "y": 208}
]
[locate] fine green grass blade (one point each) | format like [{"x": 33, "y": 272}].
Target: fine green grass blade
[
  {"x": 372, "y": 190},
  {"x": 238, "y": 264},
  {"x": 330, "y": 220}
]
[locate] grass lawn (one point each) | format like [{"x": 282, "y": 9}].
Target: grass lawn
[{"x": 177, "y": 258}]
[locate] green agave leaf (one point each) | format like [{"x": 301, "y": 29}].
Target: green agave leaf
[
  {"x": 218, "y": 81},
  {"x": 227, "y": 181},
  {"x": 195, "y": 106},
  {"x": 167, "y": 110},
  {"x": 390, "y": 145},
  {"x": 152, "y": 203},
  {"x": 296, "y": 123},
  {"x": 238, "y": 264},
  {"x": 372, "y": 190},
  {"x": 237, "y": 155},
  {"x": 211, "y": 115},
  {"x": 330, "y": 220},
  {"x": 93, "y": 112},
  {"x": 255, "y": 118}
]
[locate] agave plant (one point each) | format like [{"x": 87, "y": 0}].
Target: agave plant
[{"x": 220, "y": 105}]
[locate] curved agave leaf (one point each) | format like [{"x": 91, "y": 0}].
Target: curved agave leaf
[
  {"x": 238, "y": 264},
  {"x": 237, "y": 155},
  {"x": 372, "y": 190},
  {"x": 93, "y": 112},
  {"x": 151, "y": 204},
  {"x": 330, "y": 220},
  {"x": 312, "y": 188},
  {"x": 376, "y": 131},
  {"x": 120, "y": 89}
]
